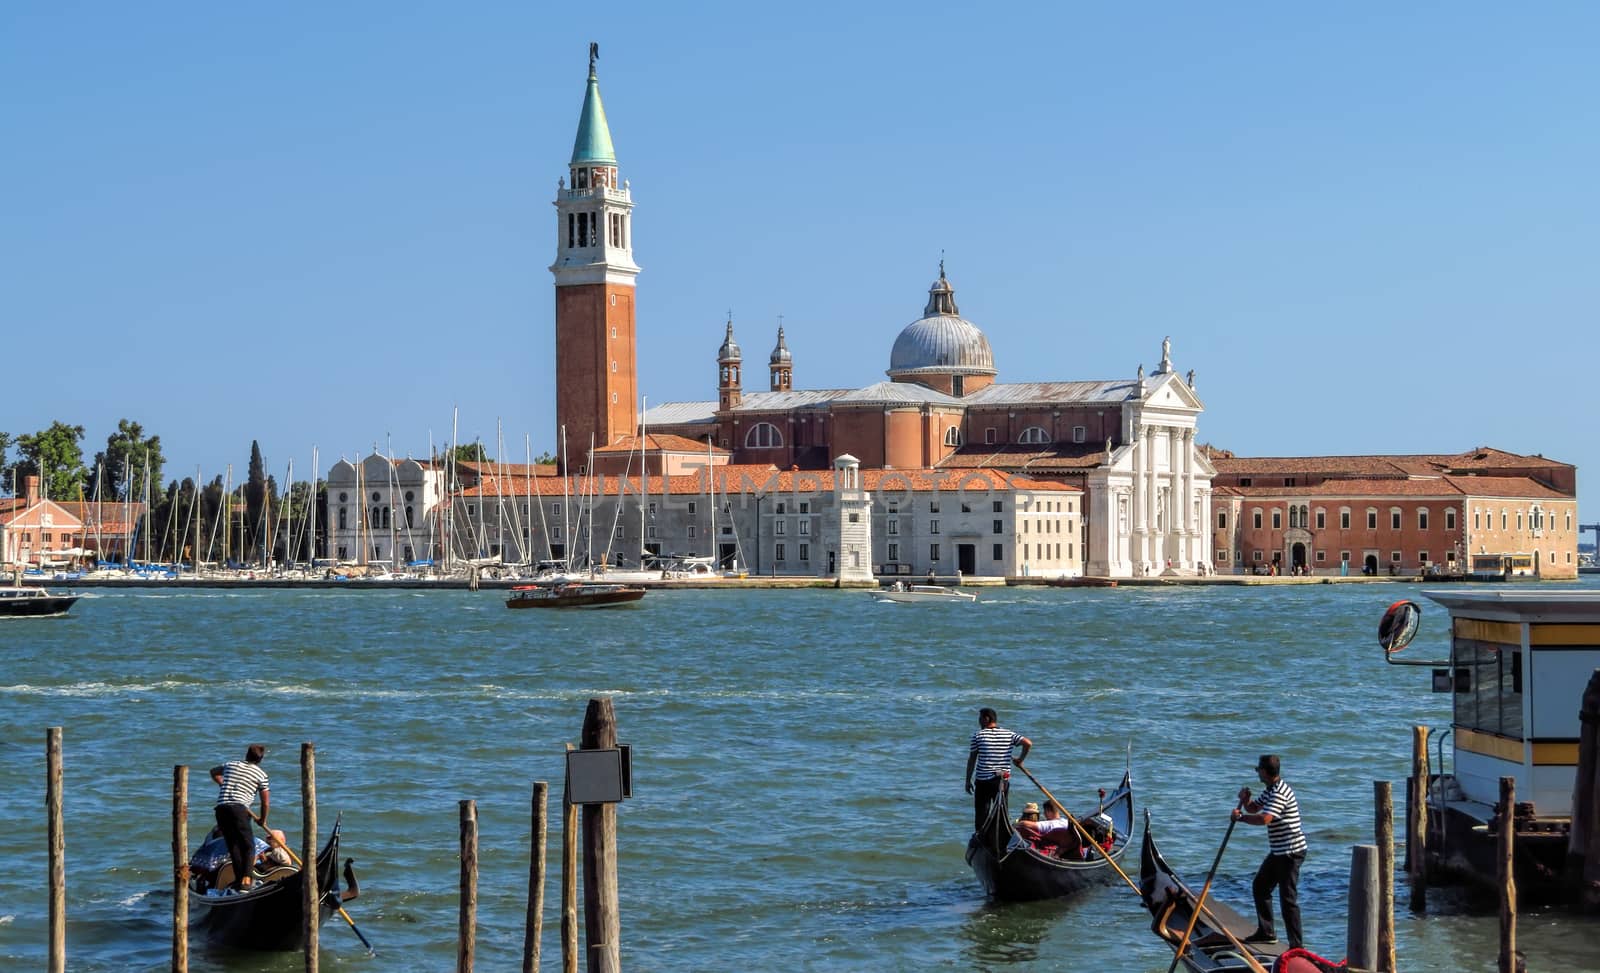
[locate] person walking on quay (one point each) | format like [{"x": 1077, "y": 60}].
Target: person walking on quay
[
  {"x": 238, "y": 783},
  {"x": 989, "y": 763},
  {"x": 1279, "y": 811}
]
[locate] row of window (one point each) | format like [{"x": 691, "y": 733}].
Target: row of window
[
  {"x": 1299, "y": 516},
  {"x": 1045, "y": 551},
  {"x": 765, "y": 435},
  {"x": 376, "y": 496}
]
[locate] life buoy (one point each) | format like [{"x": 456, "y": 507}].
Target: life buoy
[{"x": 1399, "y": 626}]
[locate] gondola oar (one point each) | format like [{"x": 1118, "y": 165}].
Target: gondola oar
[
  {"x": 1082, "y": 831},
  {"x": 1200, "y": 902},
  {"x": 301, "y": 865}
]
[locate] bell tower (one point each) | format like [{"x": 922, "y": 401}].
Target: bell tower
[
  {"x": 780, "y": 365},
  {"x": 730, "y": 385},
  {"x": 597, "y": 384}
]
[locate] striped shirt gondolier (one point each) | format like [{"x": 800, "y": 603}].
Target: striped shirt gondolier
[
  {"x": 1283, "y": 834},
  {"x": 241, "y": 782},
  {"x": 993, "y": 746}
]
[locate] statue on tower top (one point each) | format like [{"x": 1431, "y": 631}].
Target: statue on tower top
[
  {"x": 594, "y": 55},
  {"x": 1166, "y": 355}
]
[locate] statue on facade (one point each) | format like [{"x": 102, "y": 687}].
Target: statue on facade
[
  {"x": 1191, "y": 379},
  {"x": 1141, "y": 374},
  {"x": 1166, "y": 354}
]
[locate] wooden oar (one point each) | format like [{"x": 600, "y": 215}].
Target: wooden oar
[
  {"x": 1200, "y": 902},
  {"x": 1082, "y": 831},
  {"x": 338, "y": 907}
]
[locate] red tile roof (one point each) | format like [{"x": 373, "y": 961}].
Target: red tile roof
[
  {"x": 1445, "y": 486},
  {"x": 1377, "y": 465},
  {"x": 759, "y": 478},
  {"x": 1058, "y": 458},
  {"x": 663, "y": 442}
]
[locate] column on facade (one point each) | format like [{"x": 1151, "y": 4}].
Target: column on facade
[
  {"x": 1136, "y": 542},
  {"x": 1152, "y": 541},
  {"x": 1194, "y": 546}
]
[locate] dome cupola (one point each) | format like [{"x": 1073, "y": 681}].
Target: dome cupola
[{"x": 942, "y": 349}]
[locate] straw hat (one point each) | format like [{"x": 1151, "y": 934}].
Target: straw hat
[{"x": 1030, "y": 808}]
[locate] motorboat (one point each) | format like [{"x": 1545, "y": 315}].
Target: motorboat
[
  {"x": 921, "y": 594},
  {"x": 20, "y": 602},
  {"x": 573, "y": 594}
]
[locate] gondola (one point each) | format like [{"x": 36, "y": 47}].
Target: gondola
[
  {"x": 1012, "y": 870},
  {"x": 1216, "y": 945},
  {"x": 271, "y": 914}
]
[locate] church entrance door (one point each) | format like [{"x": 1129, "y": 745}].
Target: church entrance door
[{"x": 1297, "y": 556}]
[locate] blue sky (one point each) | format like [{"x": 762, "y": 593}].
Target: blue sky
[{"x": 1369, "y": 228}]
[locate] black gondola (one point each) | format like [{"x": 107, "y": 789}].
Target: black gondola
[
  {"x": 1216, "y": 944},
  {"x": 271, "y": 914},
  {"x": 1012, "y": 870}
]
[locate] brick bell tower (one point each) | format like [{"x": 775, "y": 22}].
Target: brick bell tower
[{"x": 597, "y": 384}]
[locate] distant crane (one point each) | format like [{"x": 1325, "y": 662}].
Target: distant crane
[{"x": 1596, "y": 529}]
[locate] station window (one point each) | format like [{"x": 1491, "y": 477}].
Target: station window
[
  {"x": 1450, "y": 518},
  {"x": 1322, "y": 519},
  {"x": 1372, "y": 519},
  {"x": 1277, "y": 519},
  {"x": 1422, "y": 519},
  {"x": 1394, "y": 520},
  {"x": 1256, "y": 515}
]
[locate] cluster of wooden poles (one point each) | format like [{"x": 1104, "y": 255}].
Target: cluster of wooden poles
[{"x": 599, "y": 841}]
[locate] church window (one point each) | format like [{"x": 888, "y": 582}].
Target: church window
[
  {"x": 1255, "y": 516},
  {"x": 1078, "y": 434},
  {"x": 1372, "y": 518},
  {"x": 1344, "y": 518},
  {"x": 1222, "y": 520},
  {"x": 855, "y": 518},
  {"x": 1519, "y": 520},
  {"x": 572, "y": 230},
  {"x": 1422, "y": 518},
  {"x": 1033, "y": 436},
  {"x": 988, "y": 435},
  {"x": 344, "y": 519},
  {"x": 952, "y": 436},
  {"x": 1322, "y": 518},
  {"x": 1277, "y": 518},
  {"x": 763, "y": 435},
  {"x": 583, "y": 229},
  {"x": 958, "y": 385},
  {"x": 613, "y": 365},
  {"x": 1255, "y": 555},
  {"x": 580, "y": 179}
]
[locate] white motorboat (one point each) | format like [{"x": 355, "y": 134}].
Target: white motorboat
[{"x": 921, "y": 594}]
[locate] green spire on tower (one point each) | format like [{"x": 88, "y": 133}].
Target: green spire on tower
[{"x": 593, "y": 143}]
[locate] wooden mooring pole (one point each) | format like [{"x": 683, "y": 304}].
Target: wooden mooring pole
[
  {"x": 536, "y": 870},
  {"x": 569, "y": 882},
  {"x": 1417, "y": 820},
  {"x": 1506, "y": 873},
  {"x": 55, "y": 834},
  {"x": 1383, "y": 831},
  {"x": 180, "y": 869},
  {"x": 311, "y": 902},
  {"x": 602, "y": 925},
  {"x": 1361, "y": 948},
  {"x": 466, "y": 944},
  {"x": 1583, "y": 841}
]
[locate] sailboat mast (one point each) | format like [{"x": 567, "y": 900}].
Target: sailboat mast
[
  {"x": 644, "y": 473},
  {"x": 194, "y": 511},
  {"x": 588, "y": 545},
  {"x": 313, "y": 537}
]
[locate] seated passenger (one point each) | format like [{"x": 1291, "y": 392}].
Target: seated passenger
[{"x": 1054, "y": 834}]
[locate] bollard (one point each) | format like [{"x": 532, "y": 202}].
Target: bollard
[
  {"x": 1383, "y": 831},
  {"x": 311, "y": 896},
  {"x": 55, "y": 835},
  {"x": 536, "y": 870},
  {"x": 180, "y": 869},
  {"x": 1506, "y": 813},
  {"x": 466, "y": 945},
  {"x": 601, "y": 921},
  {"x": 1417, "y": 821},
  {"x": 569, "y": 883},
  {"x": 1361, "y": 926}
]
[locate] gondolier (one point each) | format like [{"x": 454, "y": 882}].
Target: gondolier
[
  {"x": 1279, "y": 811},
  {"x": 238, "y": 783},
  {"x": 989, "y": 763}
]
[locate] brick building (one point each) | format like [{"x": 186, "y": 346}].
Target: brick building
[{"x": 1485, "y": 511}]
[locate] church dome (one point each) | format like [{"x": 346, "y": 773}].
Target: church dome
[
  {"x": 780, "y": 354},
  {"x": 730, "y": 348},
  {"x": 941, "y": 341}
]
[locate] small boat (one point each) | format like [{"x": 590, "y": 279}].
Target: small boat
[
  {"x": 921, "y": 593},
  {"x": 573, "y": 594},
  {"x": 270, "y": 915},
  {"x": 1010, "y": 869},
  {"x": 1083, "y": 582},
  {"x": 22, "y": 602},
  {"x": 1216, "y": 944}
]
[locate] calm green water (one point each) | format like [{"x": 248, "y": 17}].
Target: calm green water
[{"x": 797, "y": 773}]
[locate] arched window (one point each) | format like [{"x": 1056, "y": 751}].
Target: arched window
[
  {"x": 1033, "y": 436},
  {"x": 763, "y": 435},
  {"x": 952, "y": 436}
]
